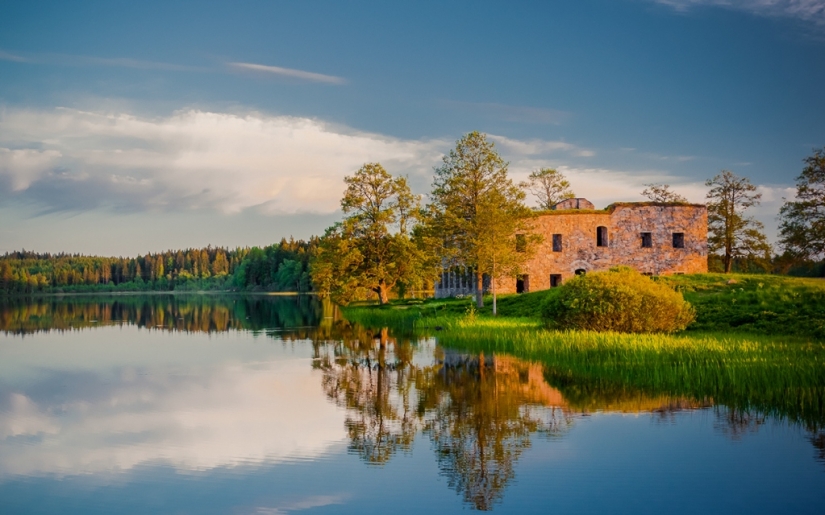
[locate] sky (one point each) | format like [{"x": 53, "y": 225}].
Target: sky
[{"x": 135, "y": 127}]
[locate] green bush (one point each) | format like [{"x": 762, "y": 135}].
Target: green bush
[{"x": 619, "y": 300}]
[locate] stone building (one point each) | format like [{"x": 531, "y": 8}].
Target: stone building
[{"x": 654, "y": 238}]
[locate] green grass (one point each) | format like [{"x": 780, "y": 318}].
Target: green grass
[
  {"x": 752, "y": 304},
  {"x": 772, "y": 375},
  {"x": 758, "y": 344},
  {"x": 760, "y": 304}
]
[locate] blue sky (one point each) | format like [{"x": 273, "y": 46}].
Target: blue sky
[{"x": 135, "y": 127}]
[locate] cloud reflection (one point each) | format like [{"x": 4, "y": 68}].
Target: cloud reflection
[{"x": 192, "y": 419}]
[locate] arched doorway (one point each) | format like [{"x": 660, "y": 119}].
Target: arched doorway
[{"x": 580, "y": 267}]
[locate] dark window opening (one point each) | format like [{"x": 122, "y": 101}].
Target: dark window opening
[
  {"x": 557, "y": 243},
  {"x": 581, "y": 271},
  {"x": 601, "y": 236},
  {"x": 555, "y": 280},
  {"x": 522, "y": 284},
  {"x": 678, "y": 240},
  {"x": 521, "y": 243},
  {"x": 647, "y": 240}
]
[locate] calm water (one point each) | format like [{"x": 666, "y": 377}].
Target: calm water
[{"x": 273, "y": 405}]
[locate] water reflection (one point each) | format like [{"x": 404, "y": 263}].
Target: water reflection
[
  {"x": 173, "y": 312},
  {"x": 478, "y": 412},
  {"x": 305, "y": 384}
]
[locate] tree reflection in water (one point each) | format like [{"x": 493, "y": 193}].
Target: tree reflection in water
[
  {"x": 478, "y": 412},
  {"x": 374, "y": 383}
]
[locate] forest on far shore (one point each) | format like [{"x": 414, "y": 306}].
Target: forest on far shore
[{"x": 283, "y": 266}]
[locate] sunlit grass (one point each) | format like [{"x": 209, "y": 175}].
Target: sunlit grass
[{"x": 779, "y": 375}]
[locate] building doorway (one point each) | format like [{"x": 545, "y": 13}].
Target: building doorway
[{"x": 581, "y": 271}]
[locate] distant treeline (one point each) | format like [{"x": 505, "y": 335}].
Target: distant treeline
[
  {"x": 782, "y": 264},
  {"x": 280, "y": 267}
]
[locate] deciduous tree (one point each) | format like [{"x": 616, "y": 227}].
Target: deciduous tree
[
  {"x": 371, "y": 249},
  {"x": 549, "y": 186},
  {"x": 729, "y": 230},
  {"x": 802, "y": 221},
  {"x": 662, "y": 193},
  {"x": 477, "y": 212}
]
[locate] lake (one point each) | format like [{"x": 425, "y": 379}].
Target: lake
[{"x": 273, "y": 405}]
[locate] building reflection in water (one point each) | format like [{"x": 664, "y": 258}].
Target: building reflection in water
[{"x": 479, "y": 412}]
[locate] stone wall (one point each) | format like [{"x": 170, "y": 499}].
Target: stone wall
[{"x": 625, "y": 223}]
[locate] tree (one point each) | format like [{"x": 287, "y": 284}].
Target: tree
[
  {"x": 802, "y": 221},
  {"x": 729, "y": 230},
  {"x": 662, "y": 193},
  {"x": 550, "y": 186},
  {"x": 371, "y": 249},
  {"x": 477, "y": 211}
]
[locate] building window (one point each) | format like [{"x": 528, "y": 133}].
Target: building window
[
  {"x": 678, "y": 240},
  {"x": 521, "y": 243},
  {"x": 555, "y": 280},
  {"x": 647, "y": 240},
  {"x": 601, "y": 236},
  {"x": 557, "y": 243},
  {"x": 523, "y": 284},
  {"x": 581, "y": 271}
]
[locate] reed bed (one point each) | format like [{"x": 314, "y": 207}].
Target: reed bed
[{"x": 780, "y": 376}]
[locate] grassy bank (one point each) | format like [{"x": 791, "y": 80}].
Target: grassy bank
[
  {"x": 724, "y": 303},
  {"x": 757, "y": 344}
]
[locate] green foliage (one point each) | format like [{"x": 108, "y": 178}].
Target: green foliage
[
  {"x": 210, "y": 268},
  {"x": 550, "y": 186},
  {"x": 477, "y": 212},
  {"x": 730, "y": 231},
  {"x": 283, "y": 266},
  {"x": 620, "y": 300},
  {"x": 372, "y": 249},
  {"x": 802, "y": 226}
]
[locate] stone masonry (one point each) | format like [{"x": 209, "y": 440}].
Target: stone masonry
[{"x": 653, "y": 238}]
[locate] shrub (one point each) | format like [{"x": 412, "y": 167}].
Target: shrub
[{"x": 619, "y": 300}]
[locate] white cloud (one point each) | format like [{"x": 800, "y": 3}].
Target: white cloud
[
  {"x": 74, "y": 160},
  {"x": 808, "y": 10},
  {"x": 535, "y": 147},
  {"x": 71, "y": 160},
  {"x": 24, "y": 166},
  {"x": 288, "y": 72}
]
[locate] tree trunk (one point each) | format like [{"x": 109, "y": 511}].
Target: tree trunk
[
  {"x": 728, "y": 260},
  {"x": 383, "y": 293},
  {"x": 493, "y": 286},
  {"x": 480, "y": 290}
]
